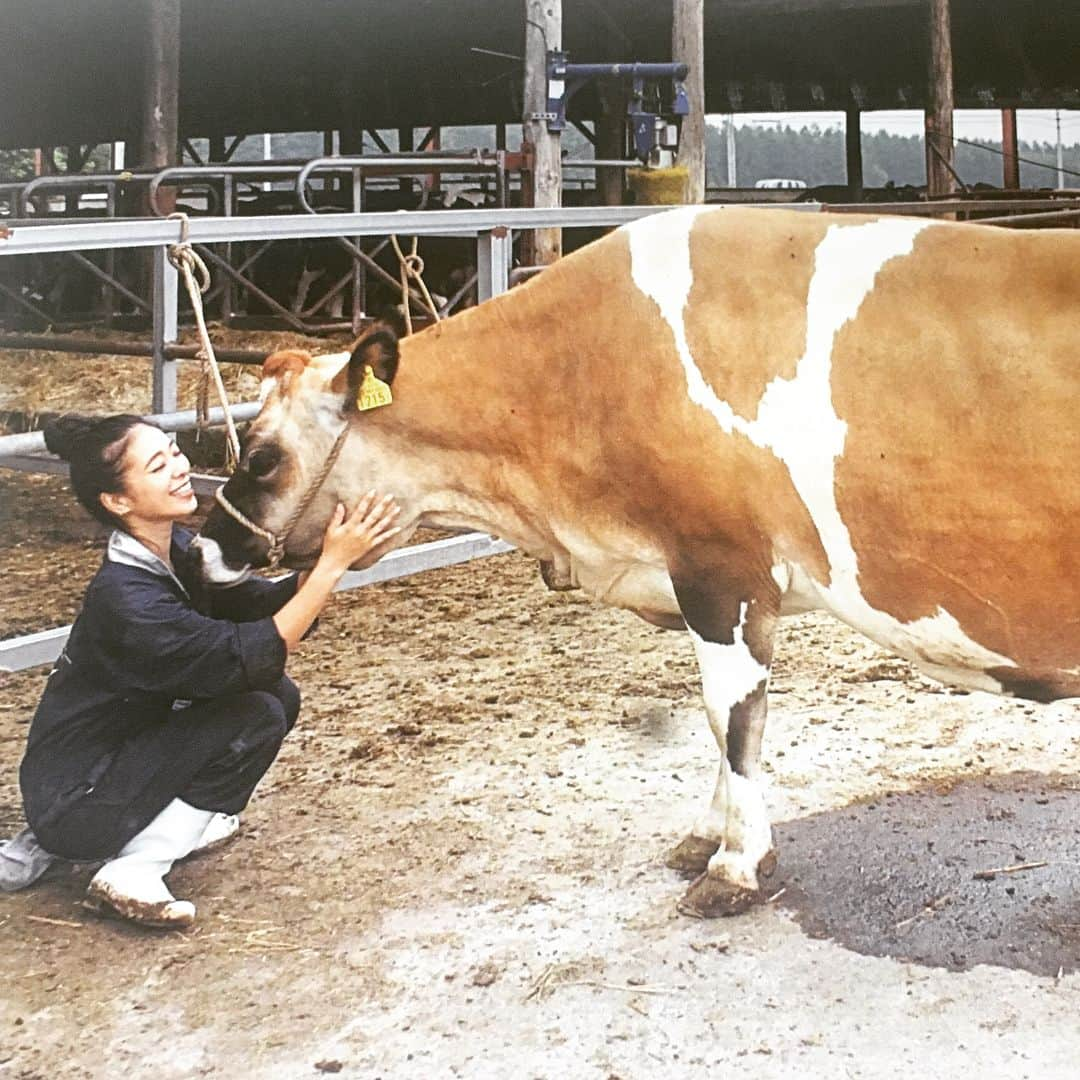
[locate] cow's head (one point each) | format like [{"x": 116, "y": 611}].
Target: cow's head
[{"x": 307, "y": 403}]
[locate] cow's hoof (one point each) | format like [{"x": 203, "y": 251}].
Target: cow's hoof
[
  {"x": 767, "y": 867},
  {"x": 711, "y": 896},
  {"x": 692, "y": 855}
]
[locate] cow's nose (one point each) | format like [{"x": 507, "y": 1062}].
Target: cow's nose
[
  {"x": 209, "y": 563},
  {"x": 195, "y": 556}
]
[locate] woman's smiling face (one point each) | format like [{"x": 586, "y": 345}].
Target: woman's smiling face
[{"x": 157, "y": 479}]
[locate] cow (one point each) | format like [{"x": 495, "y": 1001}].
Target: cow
[{"x": 715, "y": 417}]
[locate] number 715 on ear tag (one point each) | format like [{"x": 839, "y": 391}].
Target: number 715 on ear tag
[{"x": 372, "y": 392}]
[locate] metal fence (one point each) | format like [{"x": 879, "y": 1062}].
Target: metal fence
[{"x": 492, "y": 229}]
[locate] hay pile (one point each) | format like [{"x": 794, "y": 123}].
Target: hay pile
[{"x": 34, "y": 382}]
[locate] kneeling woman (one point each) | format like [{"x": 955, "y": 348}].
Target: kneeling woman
[{"x": 160, "y": 717}]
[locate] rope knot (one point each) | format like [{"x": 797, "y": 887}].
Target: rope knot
[{"x": 189, "y": 265}]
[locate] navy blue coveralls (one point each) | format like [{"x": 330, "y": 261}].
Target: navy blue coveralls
[{"x": 153, "y": 700}]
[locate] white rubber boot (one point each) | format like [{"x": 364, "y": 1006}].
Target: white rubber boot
[
  {"x": 132, "y": 885},
  {"x": 220, "y": 829}
]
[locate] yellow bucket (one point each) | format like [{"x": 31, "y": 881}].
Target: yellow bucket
[{"x": 658, "y": 187}]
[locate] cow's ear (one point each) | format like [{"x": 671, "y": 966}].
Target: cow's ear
[
  {"x": 285, "y": 362},
  {"x": 378, "y": 350}
]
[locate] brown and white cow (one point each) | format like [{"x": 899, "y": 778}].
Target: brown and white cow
[{"x": 717, "y": 417}]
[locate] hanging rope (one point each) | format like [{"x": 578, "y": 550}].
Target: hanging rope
[
  {"x": 412, "y": 266},
  {"x": 190, "y": 266}
]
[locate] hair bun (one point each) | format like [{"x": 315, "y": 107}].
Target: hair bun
[{"x": 63, "y": 435}]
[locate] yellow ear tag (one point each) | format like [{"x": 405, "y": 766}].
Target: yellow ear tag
[{"x": 372, "y": 392}]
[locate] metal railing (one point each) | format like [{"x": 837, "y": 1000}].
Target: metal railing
[{"x": 492, "y": 230}]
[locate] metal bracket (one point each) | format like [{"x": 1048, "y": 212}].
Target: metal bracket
[{"x": 565, "y": 79}]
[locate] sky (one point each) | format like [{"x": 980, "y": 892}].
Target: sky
[{"x": 1033, "y": 125}]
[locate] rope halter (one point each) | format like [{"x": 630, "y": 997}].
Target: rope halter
[{"x": 277, "y": 541}]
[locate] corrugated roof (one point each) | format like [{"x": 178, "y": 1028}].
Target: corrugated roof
[{"x": 71, "y": 72}]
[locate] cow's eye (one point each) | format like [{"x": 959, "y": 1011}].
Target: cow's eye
[{"x": 263, "y": 461}]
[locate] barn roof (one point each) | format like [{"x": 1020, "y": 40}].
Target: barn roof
[{"x": 71, "y": 71}]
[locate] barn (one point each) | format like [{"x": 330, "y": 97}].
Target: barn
[{"x": 456, "y": 866}]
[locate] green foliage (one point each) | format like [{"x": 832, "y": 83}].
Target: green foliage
[
  {"x": 19, "y": 164},
  {"x": 16, "y": 164},
  {"x": 816, "y": 155}
]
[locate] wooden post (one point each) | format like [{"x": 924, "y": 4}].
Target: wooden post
[
  {"x": 157, "y": 146},
  {"x": 853, "y": 145},
  {"x": 405, "y": 145},
  {"x": 543, "y": 32},
  {"x": 159, "y": 134},
  {"x": 611, "y": 140},
  {"x": 688, "y": 47},
  {"x": 1010, "y": 160},
  {"x": 433, "y": 141},
  {"x": 939, "y": 113},
  {"x": 352, "y": 136}
]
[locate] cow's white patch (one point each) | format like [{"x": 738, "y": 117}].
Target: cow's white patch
[
  {"x": 729, "y": 673},
  {"x": 796, "y": 419},
  {"x": 329, "y": 364},
  {"x": 264, "y": 389},
  {"x": 736, "y": 818},
  {"x": 798, "y": 591},
  {"x": 660, "y": 266},
  {"x": 216, "y": 571},
  {"x": 617, "y": 568},
  {"x": 747, "y": 837}
]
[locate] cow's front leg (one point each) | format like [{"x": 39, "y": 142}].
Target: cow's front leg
[{"x": 730, "y": 847}]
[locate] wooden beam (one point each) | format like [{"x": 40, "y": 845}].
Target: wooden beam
[
  {"x": 1010, "y": 160},
  {"x": 611, "y": 140},
  {"x": 543, "y": 32},
  {"x": 404, "y": 145},
  {"x": 939, "y": 114},
  {"x": 688, "y": 47},
  {"x": 159, "y": 118},
  {"x": 853, "y": 148}
]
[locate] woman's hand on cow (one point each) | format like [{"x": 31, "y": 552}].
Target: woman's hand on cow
[
  {"x": 352, "y": 537},
  {"x": 350, "y": 540}
]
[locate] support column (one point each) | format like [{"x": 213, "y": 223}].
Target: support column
[
  {"x": 1010, "y": 159},
  {"x": 405, "y": 145},
  {"x": 688, "y": 47},
  {"x": 543, "y": 32},
  {"x": 939, "y": 114},
  {"x": 351, "y": 144},
  {"x": 165, "y": 297},
  {"x": 433, "y": 141},
  {"x": 853, "y": 147},
  {"x": 729, "y": 139},
  {"x": 159, "y": 134},
  {"x": 611, "y": 140},
  {"x": 493, "y": 254}
]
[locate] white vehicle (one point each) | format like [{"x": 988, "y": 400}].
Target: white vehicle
[{"x": 780, "y": 182}]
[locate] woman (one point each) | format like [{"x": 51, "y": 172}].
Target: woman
[{"x": 161, "y": 717}]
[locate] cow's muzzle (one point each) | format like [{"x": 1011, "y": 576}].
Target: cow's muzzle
[{"x": 277, "y": 541}]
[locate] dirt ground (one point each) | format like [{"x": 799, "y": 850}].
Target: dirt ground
[{"x": 455, "y": 868}]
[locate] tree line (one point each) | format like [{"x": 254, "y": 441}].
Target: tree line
[{"x": 816, "y": 155}]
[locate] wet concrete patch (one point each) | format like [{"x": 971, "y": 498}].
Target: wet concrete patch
[{"x": 903, "y": 875}]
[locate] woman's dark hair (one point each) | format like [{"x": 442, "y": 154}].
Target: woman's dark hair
[{"x": 95, "y": 448}]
